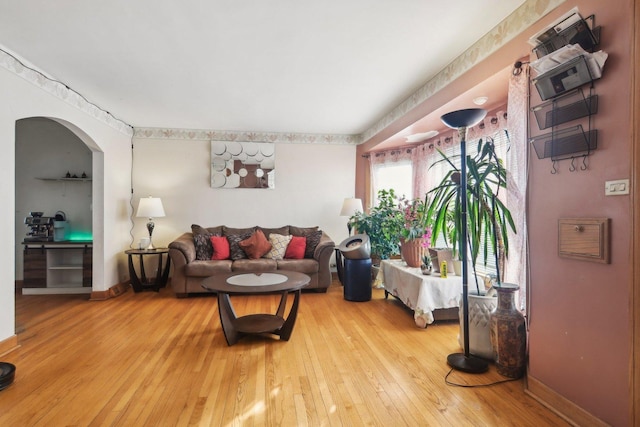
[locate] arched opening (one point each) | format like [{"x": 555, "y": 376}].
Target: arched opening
[{"x": 59, "y": 175}]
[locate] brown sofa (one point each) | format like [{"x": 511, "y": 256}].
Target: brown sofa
[{"x": 188, "y": 271}]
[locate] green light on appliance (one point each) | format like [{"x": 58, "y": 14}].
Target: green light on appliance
[{"x": 80, "y": 236}]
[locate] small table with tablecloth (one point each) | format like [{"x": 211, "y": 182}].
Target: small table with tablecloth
[{"x": 431, "y": 297}]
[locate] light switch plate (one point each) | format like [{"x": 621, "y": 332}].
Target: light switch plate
[{"x": 616, "y": 188}]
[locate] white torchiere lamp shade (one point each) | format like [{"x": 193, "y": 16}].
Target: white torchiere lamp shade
[
  {"x": 150, "y": 207},
  {"x": 350, "y": 206}
]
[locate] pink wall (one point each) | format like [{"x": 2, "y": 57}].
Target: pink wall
[
  {"x": 579, "y": 320},
  {"x": 579, "y": 344}
]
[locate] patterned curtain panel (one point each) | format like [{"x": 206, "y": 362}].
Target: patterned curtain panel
[
  {"x": 425, "y": 177},
  {"x": 382, "y": 159},
  {"x": 518, "y": 159}
]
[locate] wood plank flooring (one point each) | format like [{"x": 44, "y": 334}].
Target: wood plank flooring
[{"x": 150, "y": 359}]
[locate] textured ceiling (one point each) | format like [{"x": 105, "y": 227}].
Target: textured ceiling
[{"x": 334, "y": 66}]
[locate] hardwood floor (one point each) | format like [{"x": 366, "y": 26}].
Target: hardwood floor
[{"x": 150, "y": 359}]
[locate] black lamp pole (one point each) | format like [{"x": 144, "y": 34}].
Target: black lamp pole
[{"x": 461, "y": 120}]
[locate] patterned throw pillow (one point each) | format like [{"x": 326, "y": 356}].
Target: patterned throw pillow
[
  {"x": 235, "y": 251},
  {"x": 204, "y": 249},
  {"x": 313, "y": 239},
  {"x": 279, "y": 244}
]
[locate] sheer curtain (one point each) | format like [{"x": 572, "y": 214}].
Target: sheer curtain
[
  {"x": 512, "y": 150},
  {"x": 517, "y": 264},
  {"x": 424, "y": 156},
  {"x": 426, "y": 177}
]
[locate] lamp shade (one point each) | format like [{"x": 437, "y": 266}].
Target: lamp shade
[
  {"x": 150, "y": 207},
  {"x": 464, "y": 118},
  {"x": 350, "y": 206}
]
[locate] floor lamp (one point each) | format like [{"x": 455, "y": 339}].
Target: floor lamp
[{"x": 462, "y": 120}]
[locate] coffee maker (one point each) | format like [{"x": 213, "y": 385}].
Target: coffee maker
[{"x": 40, "y": 227}]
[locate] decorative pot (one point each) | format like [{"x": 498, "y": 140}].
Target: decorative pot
[
  {"x": 508, "y": 333},
  {"x": 426, "y": 270},
  {"x": 412, "y": 251},
  {"x": 480, "y": 308},
  {"x": 438, "y": 255}
]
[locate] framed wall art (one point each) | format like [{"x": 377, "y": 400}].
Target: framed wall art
[{"x": 242, "y": 164}]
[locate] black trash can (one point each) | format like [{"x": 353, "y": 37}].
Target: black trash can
[{"x": 353, "y": 260}]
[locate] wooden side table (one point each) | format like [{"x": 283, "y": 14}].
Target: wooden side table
[{"x": 142, "y": 283}]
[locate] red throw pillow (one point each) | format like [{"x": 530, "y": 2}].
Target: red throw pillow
[
  {"x": 220, "y": 247},
  {"x": 256, "y": 246},
  {"x": 296, "y": 247}
]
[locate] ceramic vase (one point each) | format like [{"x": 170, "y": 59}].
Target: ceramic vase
[
  {"x": 457, "y": 267},
  {"x": 508, "y": 333},
  {"x": 412, "y": 251}
]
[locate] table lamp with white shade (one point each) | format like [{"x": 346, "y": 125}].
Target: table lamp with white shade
[
  {"x": 150, "y": 207},
  {"x": 350, "y": 206}
]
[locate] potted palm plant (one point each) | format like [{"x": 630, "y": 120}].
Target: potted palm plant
[
  {"x": 488, "y": 223},
  {"x": 488, "y": 217}
]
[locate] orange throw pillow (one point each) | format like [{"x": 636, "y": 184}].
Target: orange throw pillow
[
  {"x": 220, "y": 247},
  {"x": 296, "y": 248},
  {"x": 256, "y": 246}
]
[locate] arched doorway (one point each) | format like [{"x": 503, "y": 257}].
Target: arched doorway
[{"x": 55, "y": 167}]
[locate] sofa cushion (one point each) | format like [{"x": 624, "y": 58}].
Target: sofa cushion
[
  {"x": 296, "y": 247},
  {"x": 220, "y": 248},
  {"x": 279, "y": 243},
  {"x": 207, "y": 268},
  {"x": 202, "y": 243},
  {"x": 229, "y": 231},
  {"x": 281, "y": 230},
  {"x": 197, "y": 229},
  {"x": 306, "y": 266},
  {"x": 262, "y": 264},
  {"x": 255, "y": 246},
  {"x": 301, "y": 231}
]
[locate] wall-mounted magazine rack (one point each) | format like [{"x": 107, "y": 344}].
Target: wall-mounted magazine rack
[
  {"x": 563, "y": 78},
  {"x": 569, "y": 143},
  {"x": 570, "y": 30},
  {"x": 565, "y": 108}
]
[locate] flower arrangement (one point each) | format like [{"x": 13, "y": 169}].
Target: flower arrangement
[
  {"x": 393, "y": 219},
  {"x": 416, "y": 220}
]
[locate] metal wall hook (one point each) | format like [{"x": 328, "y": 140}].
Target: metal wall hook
[
  {"x": 554, "y": 169},
  {"x": 572, "y": 168},
  {"x": 584, "y": 166}
]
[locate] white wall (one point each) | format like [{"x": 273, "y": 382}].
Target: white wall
[
  {"x": 112, "y": 155},
  {"x": 310, "y": 185}
]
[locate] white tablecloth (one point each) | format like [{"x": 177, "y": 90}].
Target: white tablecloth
[{"x": 421, "y": 293}]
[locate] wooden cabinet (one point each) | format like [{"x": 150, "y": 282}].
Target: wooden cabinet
[
  {"x": 57, "y": 267},
  {"x": 35, "y": 267}
]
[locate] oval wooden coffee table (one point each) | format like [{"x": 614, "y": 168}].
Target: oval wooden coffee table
[{"x": 246, "y": 283}]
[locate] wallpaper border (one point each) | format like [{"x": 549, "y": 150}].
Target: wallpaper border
[
  {"x": 62, "y": 92},
  {"x": 521, "y": 19}
]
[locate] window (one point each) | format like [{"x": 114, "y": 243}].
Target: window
[
  {"x": 397, "y": 176},
  {"x": 438, "y": 171}
]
